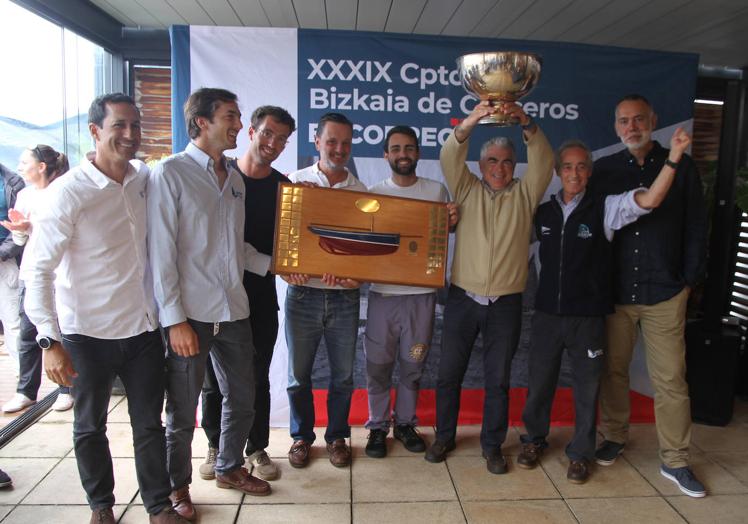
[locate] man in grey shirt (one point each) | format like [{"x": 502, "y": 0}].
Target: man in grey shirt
[{"x": 197, "y": 253}]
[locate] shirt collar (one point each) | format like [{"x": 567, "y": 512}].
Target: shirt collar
[
  {"x": 100, "y": 179},
  {"x": 345, "y": 183},
  {"x": 203, "y": 159},
  {"x": 574, "y": 201},
  {"x": 496, "y": 191}
]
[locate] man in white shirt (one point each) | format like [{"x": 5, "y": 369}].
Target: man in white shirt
[
  {"x": 197, "y": 252},
  {"x": 326, "y": 307},
  {"x": 92, "y": 230},
  {"x": 399, "y": 319}
]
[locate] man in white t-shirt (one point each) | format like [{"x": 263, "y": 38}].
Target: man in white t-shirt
[{"x": 400, "y": 319}]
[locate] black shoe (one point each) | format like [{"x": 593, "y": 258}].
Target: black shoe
[
  {"x": 4, "y": 479},
  {"x": 495, "y": 462},
  {"x": 410, "y": 438},
  {"x": 578, "y": 472},
  {"x": 608, "y": 452},
  {"x": 530, "y": 455},
  {"x": 377, "y": 445},
  {"x": 438, "y": 451}
]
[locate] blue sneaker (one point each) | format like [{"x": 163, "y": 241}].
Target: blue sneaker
[{"x": 685, "y": 480}]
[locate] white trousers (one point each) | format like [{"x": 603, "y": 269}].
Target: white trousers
[{"x": 9, "y": 307}]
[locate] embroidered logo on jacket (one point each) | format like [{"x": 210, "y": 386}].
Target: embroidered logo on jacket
[
  {"x": 236, "y": 194},
  {"x": 584, "y": 231},
  {"x": 545, "y": 230},
  {"x": 594, "y": 353},
  {"x": 418, "y": 352}
]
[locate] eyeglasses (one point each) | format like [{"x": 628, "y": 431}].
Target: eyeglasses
[{"x": 272, "y": 137}]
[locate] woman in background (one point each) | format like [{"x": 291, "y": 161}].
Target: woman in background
[{"x": 39, "y": 166}]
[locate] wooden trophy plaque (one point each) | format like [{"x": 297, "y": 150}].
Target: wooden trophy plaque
[{"x": 363, "y": 236}]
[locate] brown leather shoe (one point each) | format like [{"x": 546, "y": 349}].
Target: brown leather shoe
[
  {"x": 182, "y": 503},
  {"x": 578, "y": 472},
  {"x": 339, "y": 452},
  {"x": 241, "y": 479},
  {"x": 167, "y": 516},
  {"x": 298, "y": 455},
  {"x": 102, "y": 516},
  {"x": 530, "y": 455}
]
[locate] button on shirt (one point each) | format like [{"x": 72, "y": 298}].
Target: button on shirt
[
  {"x": 196, "y": 240},
  {"x": 314, "y": 175},
  {"x": 92, "y": 230}
]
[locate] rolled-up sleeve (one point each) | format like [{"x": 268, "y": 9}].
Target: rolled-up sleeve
[{"x": 163, "y": 228}]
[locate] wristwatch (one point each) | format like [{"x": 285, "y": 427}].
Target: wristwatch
[
  {"x": 670, "y": 163},
  {"x": 45, "y": 342}
]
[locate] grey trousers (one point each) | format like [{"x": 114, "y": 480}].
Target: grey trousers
[
  {"x": 232, "y": 353},
  {"x": 398, "y": 329}
]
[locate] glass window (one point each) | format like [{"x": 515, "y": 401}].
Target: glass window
[{"x": 50, "y": 76}]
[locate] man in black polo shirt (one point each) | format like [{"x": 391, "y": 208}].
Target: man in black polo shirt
[
  {"x": 270, "y": 128},
  {"x": 656, "y": 262},
  {"x": 575, "y": 229}
]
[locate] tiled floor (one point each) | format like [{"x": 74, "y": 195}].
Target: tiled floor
[
  {"x": 9, "y": 381},
  {"x": 400, "y": 488}
]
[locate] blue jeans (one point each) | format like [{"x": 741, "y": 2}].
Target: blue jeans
[
  {"x": 499, "y": 324},
  {"x": 230, "y": 347},
  {"x": 139, "y": 362},
  {"x": 311, "y": 314}
]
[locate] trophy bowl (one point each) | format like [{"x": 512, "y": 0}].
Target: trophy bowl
[{"x": 499, "y": 76}]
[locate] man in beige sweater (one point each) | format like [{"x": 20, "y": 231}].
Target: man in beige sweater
[{"x": 488, "y": 273}]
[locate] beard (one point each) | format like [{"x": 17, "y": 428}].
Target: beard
[
  {"x": 632, "y": 145},
  {"x": 405, "y": 170}
]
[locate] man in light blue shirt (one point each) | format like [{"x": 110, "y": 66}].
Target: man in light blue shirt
[{"x": 197, "y": 253}]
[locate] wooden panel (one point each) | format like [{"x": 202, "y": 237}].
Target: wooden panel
[
  {"x": 500, "y": 17},
  {"x": 135, "y": 13},
  {"x": 221, "y": 12},
  {"x": 372, "y": 15},
  {"x": 404, "y": 15},
  {"x": 311, "y": 14},
  {"x": 614, "y": 14},
  {"x": 535, "y": 16},
  {"x": 707, "y": 126},
  {"x": 410, "y": 245},
  {"x": 435, "y": 16},
  {"x": 467, "y": 16},
  {"x": 251, "y": 13},
  {"x": 281, "y": 13},
  {"x": 341, "y": 14},
  {"x": 114, "y": 12},
  {"x": 153, "y": 97},
  {"x": 576, "y": 14},
  {"x": 162, "y": 11}
]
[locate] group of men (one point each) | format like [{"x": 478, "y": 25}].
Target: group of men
[{"x": 185, "y": 248}]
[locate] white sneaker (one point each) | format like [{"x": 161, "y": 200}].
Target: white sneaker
[
  {"x": 264, "y": 468},
  {"x": 64, "y": 402},
  {"x": 17, "y": 403}
]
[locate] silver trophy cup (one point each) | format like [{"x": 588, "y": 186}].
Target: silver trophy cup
[{"x": 499, "y": 76}]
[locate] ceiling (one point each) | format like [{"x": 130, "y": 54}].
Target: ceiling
[{"x": 715, "y": 29}]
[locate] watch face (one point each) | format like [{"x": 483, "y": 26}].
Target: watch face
[{"x": 45, "y": 342}]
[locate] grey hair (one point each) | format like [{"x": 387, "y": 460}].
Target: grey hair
[
  {"x": 569, "y": 144},
  {"x": 499, "y": 141}
]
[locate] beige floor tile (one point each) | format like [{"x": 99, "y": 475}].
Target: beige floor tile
[
  {"x": 120, "y": 440},
  {"x": 119, "y": 412},
  {"x": 715, "y": 478},
  {"x": 63, "y": 485},
  {"x": 468, "y": 442},
  {"x": 214, "y": 514},
  {"x": 518, "y": 511},
  {"x": 619, "y": 480},
  {"x": 41, "y": 440},
  {"x": 473, "y": 481},
  {"x": 57, "y": 416},
  {"x": 410, "y": 512},
  {"x": 735, "y": 463},
  {"x": 4, "y": 510},
  {"x": 624, "y": 510},
  {"x": 714, "y": 438},
  {"x": 395, "y": 448},
  {"x": 722, "y": 509},
  {"x": 26, "y": 474},
  {"x": 319, "y": 483},
  {"x": 54, "y": 514},
  {"x": 396, "y": 479},
  {"x": 295, "y": 513}
]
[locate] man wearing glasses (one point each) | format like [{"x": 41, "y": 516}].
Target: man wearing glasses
[{"x": 268, "y": 135}]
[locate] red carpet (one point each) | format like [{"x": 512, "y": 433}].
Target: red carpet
[{"x": 642, "y": 407}]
